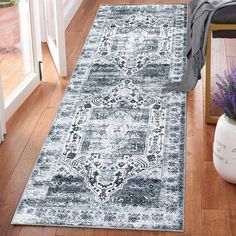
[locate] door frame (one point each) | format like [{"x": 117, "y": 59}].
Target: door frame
[
  {"x": 24, "y": 90},
  {"x": 2, "y": 114},
  {"x": 56, "y": 46}
]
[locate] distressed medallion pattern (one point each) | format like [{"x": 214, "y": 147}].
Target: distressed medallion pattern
[{"x": 114, "y": 157}]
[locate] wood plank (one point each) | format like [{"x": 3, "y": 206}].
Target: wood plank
[
  {"x": 208, "y": 137},
  {"x": 12, "y": 192},
  {"x": 193, "y": 163},
  {"x": 21, "y": 125},
  {"x": 13, "y": 230},
  {"x": 37, "y": 231},
  {"x": 107, "y": 232},
  {"x": 219, "y": 223},
  {"x": 58, "y": 93},
  {"x": 216, "y": 193}
]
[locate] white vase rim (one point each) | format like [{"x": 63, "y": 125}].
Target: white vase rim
[{"x": 228, "y": 119}]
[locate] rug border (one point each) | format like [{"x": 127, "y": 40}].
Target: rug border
[{"x": 57, "y": 109}]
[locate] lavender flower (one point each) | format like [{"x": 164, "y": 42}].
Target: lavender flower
[{"x": 226, "y": 97}]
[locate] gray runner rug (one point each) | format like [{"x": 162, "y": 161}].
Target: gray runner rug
[{"x": 114, "y": 157}]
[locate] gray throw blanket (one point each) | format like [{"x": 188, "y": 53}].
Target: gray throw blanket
[{"x": 199, "y": 18}]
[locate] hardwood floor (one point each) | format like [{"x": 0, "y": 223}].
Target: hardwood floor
[{"x": 210, "y": 206}]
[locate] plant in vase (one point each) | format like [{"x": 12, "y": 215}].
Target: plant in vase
[
  {"x": 224, "y": 149},
  {"x": 9, "y": 25}
]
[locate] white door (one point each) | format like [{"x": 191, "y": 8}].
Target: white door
[
  {"x": 20, "y": 53},
  {"x": 55, "y": 33},
  {"x": 2, "y": 114}
]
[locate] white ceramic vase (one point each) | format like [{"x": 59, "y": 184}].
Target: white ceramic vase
[{"x": 224, "y": 149}]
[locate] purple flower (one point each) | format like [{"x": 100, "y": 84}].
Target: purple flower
[{"x": 225, "y": 98}]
